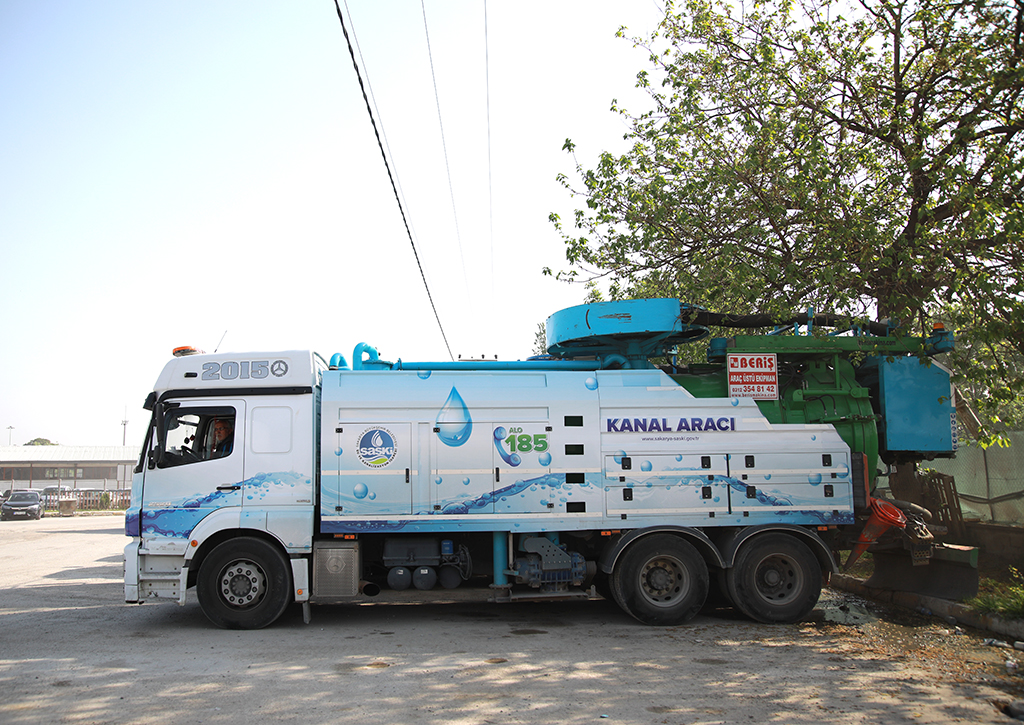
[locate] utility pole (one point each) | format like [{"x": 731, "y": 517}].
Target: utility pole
[{"x": 124, "y": 428}]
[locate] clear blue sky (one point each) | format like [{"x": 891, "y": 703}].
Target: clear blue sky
[{"x": 172, "y": 171}]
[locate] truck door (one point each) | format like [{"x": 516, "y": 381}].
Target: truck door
[
  {"x": 463, "y": 472},
  {"x": 522, "y": 464},
  {"x": 194, "y": 467},
  {"x": 373, "y": 472}
]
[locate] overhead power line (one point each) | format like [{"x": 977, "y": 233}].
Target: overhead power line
[
  {"x": 490, "y": 186},
  {"x": 391, "y": 177},
  {"x": 444, "y": 146}
]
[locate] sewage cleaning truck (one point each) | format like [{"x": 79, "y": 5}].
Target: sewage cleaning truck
[{"x": 273, "y": 478}]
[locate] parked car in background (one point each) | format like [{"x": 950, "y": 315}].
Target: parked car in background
[{"x": 22, "y": 505}]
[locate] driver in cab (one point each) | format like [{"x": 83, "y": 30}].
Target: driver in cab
[{"x": 223, "y": 437}]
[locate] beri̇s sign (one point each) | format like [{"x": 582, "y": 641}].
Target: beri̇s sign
[{"x": 753, "y": 375}]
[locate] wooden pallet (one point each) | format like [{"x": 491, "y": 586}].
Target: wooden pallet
[{"x": 943, "y": 502}]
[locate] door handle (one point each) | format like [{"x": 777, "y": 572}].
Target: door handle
[{"x": 229, "y": 487}]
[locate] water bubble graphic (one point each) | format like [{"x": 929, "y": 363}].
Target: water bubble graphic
[
  {"x": 338, "y": 451},
  {"x": 619, "y": 456},
  {"x": 465, "y": 481},
  {"x": 438, "y": 480},
  {"x": 590, "y": 383},
  {"x": 735, "y": 402},
  {"x": 360, "y": 490},
  {"x": 814, "y": 438},
  {"x": 423, "y": 374},
  {"x": 679, "y": 457},
  {"x": 717, "y": 499},
  {"x": 844, "y": 471},
  {"x": 814, "y": 479},
  {"x": 544, "y": 459},
  {"x": 372, "y": 496},
  {"x": 453, "y": 421},
  {"x": 646, "y": 466}
]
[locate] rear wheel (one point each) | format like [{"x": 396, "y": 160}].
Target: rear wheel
[
  {"x": 660, "y": 579},
  {"x": 776, "y": 579},
  {"x": 244, "y": 583}
]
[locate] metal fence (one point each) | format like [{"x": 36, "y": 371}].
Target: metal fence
[
  {"x": 989, "y": 482},
  {"x": 77, "y": 499}
]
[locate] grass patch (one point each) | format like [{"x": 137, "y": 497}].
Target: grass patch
[
  {"x": 1004, "y": 598},
  {"x": 863, "y": 568}
]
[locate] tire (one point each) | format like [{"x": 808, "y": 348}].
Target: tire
[
  {"x": 244, "y": 583},
  {"x": 776, "y": 579},
  {"x": 661, "y": 579}
]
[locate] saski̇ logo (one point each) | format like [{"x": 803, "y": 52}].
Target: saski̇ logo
[{"x": 376, "y": 447}]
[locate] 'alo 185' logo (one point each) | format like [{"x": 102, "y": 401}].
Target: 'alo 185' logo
[{"x": 377, "y": 447}]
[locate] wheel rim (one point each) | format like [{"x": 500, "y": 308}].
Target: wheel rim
[
  {"x": 242, "y": 584},
  {"x": 778, "y": 579},
  {"x": 664, "y": 580}
]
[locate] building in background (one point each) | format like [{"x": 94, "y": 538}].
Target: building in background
[{"x": 94, "y": 476}]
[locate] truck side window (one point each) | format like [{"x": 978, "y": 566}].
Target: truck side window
[{"x": 192, "y": 435}]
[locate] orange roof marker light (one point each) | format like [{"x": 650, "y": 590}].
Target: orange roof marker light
[{"x": 185, "y": 350}]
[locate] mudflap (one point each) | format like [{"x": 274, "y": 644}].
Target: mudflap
[{"x": 952, "y": 572}]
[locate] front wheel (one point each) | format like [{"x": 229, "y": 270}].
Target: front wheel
[
  {"x": 244, "y": 583},
  {"x": 776, "y": 579},
  {"x": 661, "y": 579}
]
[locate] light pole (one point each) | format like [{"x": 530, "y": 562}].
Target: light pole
[{"x": 10, "y": 432}]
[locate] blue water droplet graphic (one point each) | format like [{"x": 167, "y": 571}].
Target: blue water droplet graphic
[
  {"x": 438, "y": 480},
  {"x": 544, "y": 459},
  {"x": 646, "y": 466},
  {"x": 814, "y": 479},
  {"x": 679, "y": 457},
  {"x": 717, "y": 499},
  {"x": 372, "y": 496},
  {"x": 590, "y": 383},
  {"x": 338, "y": 451},
  {"x": 465, "y": 481},
  {"x": 735, "y": 402},
  {"x": 360, "y": 490},
  {"x": 767, "y": 476},
  {"x": 423, "y": 374},
  {"x": 814, "y": 438},
  {"x": 453, "y": 421},
  {"x": 619, "y": 456}
]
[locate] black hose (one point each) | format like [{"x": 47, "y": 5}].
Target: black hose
[{"x": 705, "y": 318}]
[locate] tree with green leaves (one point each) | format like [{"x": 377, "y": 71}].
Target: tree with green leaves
[
  {"x": 859, "y": 158},
  {"x": 40, "y": 442}
]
